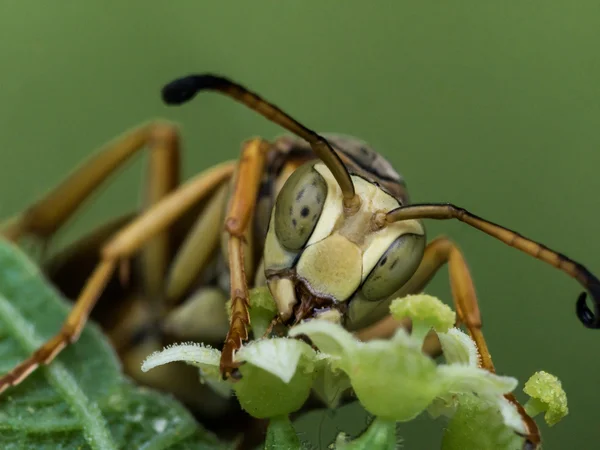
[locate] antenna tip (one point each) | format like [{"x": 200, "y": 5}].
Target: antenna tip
[
  {"x": 589, "y": 318},
  {"x": 179, "y": 91},
  {"x": 184, "y": 89}
]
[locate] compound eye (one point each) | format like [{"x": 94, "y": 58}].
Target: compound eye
[
  {"x": 299, "y": 207},
  {"x": 395, "y": 267}
]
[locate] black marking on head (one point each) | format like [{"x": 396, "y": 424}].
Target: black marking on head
[
  {"x": 394, "y": 264},
  {"x": 294, "y": 223},
  {"x": 383, "y": 261},
  {"x": 305, "y": 211},
  {"x": 299, "y": 195}
]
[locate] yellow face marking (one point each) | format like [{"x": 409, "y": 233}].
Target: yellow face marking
[
  {"x": 332, "y": 267},
  {"x": 333, "y": 208},
  {"x": 357, "y": 228}
]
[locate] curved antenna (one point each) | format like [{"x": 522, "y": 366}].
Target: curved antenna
[
  {"x": 184, "y": 89},
  {"x": 444, "y": 211}
]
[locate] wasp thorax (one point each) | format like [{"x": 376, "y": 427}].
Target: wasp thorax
[{"x": 316, "y": 253}]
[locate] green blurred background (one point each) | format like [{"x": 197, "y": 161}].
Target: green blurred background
[{"x": 494, "y": 106}]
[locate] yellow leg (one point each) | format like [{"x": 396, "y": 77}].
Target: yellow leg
[
  {"x": 120, "y": 248},
  {"x": 241, "y": 209},
  {"x": 163, "y": 178}
]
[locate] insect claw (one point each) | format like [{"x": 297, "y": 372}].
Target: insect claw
[
  {"x": 236, "y": 374},
  {"x": 589, "y": 318}
]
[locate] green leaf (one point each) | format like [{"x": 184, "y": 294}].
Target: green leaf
[{"x": 81, "y": 400}]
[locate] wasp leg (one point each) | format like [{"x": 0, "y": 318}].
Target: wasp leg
[
  {"x": 163, "y": 178},
  {"x": 48, "y": 214},
  {"x": 120, "y": 248},
  {"x": 68, "y": 269},
  {"x": 246, "y": 183}
]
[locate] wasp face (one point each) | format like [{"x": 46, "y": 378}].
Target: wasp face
[{"x": 321, "y": 261}]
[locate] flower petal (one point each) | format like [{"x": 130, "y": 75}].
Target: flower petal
[
  {"x": 329, "y": 337},
  {"x": 459, "y": 378},
  {"x": 195, "y": 354},
  {"x": 458, "y": 347},
  {"x": 279, "y": 356},
  {"x": 510, "y": 415}
]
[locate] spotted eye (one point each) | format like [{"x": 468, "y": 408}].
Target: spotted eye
[
  {"x": 299, "y": 206},
  {"x": 395, "y": 267}
]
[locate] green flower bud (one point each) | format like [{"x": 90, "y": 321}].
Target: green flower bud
[
  {"x": 277, "y": 377},
  {"x": 426, "y": 312},
  {"x": 479, "y": 424},
  {"x": 547, "y": 395}
]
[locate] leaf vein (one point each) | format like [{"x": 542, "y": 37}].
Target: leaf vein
[{"x": 94, "y": 426}]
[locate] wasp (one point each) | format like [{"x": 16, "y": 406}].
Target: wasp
[{"x": 323, "y": 220}]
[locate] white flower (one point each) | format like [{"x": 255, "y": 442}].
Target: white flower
[{"x": 277, "y": 374}]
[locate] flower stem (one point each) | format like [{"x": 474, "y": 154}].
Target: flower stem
[
  {"x": 381, "y": 435},
  {"x": 420, "y": 331},
  {"x": 533, "y": 407},
  {"x": 281, "y": 435}
]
